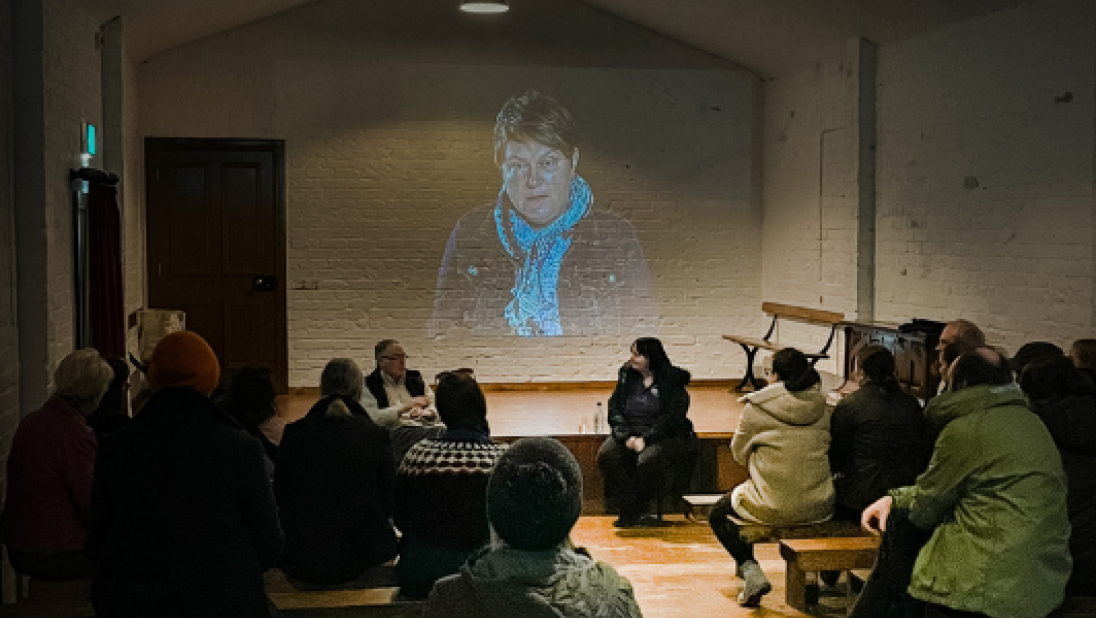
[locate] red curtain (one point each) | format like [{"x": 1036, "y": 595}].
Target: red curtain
[{"x": 106, "y": 299}]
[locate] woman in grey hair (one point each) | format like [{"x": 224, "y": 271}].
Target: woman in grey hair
[{"x": 334, "y": 485}]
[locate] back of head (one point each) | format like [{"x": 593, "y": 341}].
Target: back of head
[
  {"x": 534, "y": 496},
  {"x": 184, "y": 359},
  {"x": 82, "y": 378},
  {"x": 1083, "y": 353},
  {"x": 983, "y": 366},
  {"x": 1031, "y": 352},
  {"x": 460, "y": 402},
  {"x": 877, "y": 363},
  {"x": 1053, "y": 377},
  {"x": 534, "y": 116},
  {"x": 341, "y": 377},
  {"x": 251, "y": 397},
  {"x": 795, "y": 370}
]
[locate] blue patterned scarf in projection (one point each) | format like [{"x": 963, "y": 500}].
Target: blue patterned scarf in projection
[{"x": 534, "y": 309}]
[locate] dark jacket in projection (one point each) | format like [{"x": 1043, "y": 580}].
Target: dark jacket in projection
[
  {"x": 183, "y": 517},
  {"x": 879, "y": 442},
  {"x": 604, "y": 284},
  {"x": 334, "y": 486},
  {"x": 673, "y": 404}
]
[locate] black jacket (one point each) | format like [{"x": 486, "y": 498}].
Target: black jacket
[
  {"x": 878, "y": 443},
  {"x": 1072, "y": 423},
  {"x": 334, "y": 488},
  {"x": 673, "y": 404},
  {"x": 375, "y": 383},
  {"x": 183, "y": 516}
]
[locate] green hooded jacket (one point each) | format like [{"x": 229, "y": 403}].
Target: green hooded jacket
[
  {"x": 558, "y": 583},
  {"x": 995, "y": 495}
]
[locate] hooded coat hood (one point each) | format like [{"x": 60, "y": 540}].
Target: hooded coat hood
[{"x": 783, "y": 440}]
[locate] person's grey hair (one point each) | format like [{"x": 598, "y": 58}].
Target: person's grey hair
[
  {"x": 82, "y": 377},
  {"x": 383, "y": 345},
  {"x": 341, "y": 377}
]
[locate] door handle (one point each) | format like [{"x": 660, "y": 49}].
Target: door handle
[{"x": 264, "y": 283}]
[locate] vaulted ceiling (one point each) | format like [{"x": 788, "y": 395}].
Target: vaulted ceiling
[{"x": 771, "y": 37}]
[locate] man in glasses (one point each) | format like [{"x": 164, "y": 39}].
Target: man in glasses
[{"x": 395, "y": 394}]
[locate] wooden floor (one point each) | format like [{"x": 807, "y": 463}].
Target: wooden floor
[
  {"x": 681, "y": 571},
  {"x": 714, "y": 411}
]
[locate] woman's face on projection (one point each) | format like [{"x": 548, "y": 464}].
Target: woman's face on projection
[{"x": 538, "y": 180}]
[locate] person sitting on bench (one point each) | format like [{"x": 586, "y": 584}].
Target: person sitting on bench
[
  {"x": 530, "y": 568},
  {"x": 782, "y": 440},
  {"x": 984, "y": 531}
]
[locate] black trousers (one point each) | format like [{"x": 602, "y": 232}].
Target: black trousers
[
  {"x": 62, "y": 566},
  {"x": 633, "y": 478},
  {"x": 884, "y": 594},
  {"x": 728, "y": 532}
]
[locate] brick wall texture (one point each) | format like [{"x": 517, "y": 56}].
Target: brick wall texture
[{"x": 383, "y": 157}]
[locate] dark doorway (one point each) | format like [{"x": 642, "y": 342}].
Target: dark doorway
[{"x": 216, "y": 245}]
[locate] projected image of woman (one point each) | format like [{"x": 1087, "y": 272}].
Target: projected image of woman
[{"x": 540, "y": 260}]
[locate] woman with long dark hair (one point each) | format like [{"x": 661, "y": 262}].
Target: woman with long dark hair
[
  {"x": 650, "y": 431},
  {"x": 782, "y": 440},
  {"x": 879, "y": 438}
]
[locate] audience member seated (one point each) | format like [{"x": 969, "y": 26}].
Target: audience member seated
[
  {"x": 650, "y": 431},
  {"x": 878, "y": 436},
  {"x": 992, "y": 506},
  {"x": 1066, "y": 401},
  {"x": 50, "y": 472},
  {"x": 956, "y": 334},
  {"x": 534, "y": 498},
  {"x": 783, "y": 440},
  {"x": 399, "y": 399},
  {"x": 113, "y": 411},
  {"x": 441, "y": 489},
  {"x": 1083, "y": 353},
  {"x": 183, "y": 518},
  {"x": 251, "y": 400},
  {"x": 394, "y": 392},
  {"x": 334, "y": 485}
]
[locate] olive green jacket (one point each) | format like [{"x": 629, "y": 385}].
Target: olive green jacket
[{"x": 995, "y": 493}]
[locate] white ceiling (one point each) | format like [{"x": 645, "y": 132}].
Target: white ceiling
[{"x": 771, "y": 37}]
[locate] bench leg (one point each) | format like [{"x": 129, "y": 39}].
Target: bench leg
[
  {"x": 749, "y": 377},
  {"x": 795, "y": 587}
]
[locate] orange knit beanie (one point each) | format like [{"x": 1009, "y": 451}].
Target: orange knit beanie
[{"x": 183, "y": 358}]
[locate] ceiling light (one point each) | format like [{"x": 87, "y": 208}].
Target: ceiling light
[{"x": 497, "y": 6}]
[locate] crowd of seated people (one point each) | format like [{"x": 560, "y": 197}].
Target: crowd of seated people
[{"x": 985, "y": 500}]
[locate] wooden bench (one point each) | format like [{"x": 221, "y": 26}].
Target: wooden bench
[
  {"x": 375, "y": 593},
  {"x": 805, "y": 556},
  {"x": 751, "y": 345}
]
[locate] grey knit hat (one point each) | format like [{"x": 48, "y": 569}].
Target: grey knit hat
[{"x": 534, "y": 496}]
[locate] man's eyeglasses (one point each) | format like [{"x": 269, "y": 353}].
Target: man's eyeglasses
[{"x": 395, "y": 357}]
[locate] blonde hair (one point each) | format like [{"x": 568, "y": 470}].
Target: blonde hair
[
  {"x": 82, "y": 377},
  {"x": 342, "y": 377}
]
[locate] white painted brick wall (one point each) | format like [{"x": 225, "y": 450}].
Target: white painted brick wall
[
  {"x": 810, "y": 195},
  {"x": 73, "y": 95},
  {"x": 985, "y": 181},
  {"x": 382, "y": 159}
]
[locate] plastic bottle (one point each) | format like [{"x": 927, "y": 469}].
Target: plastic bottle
[{"x": 598, "y": 418}]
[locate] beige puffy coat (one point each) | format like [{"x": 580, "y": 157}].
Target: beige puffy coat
[{"x": 783, "y": 439}]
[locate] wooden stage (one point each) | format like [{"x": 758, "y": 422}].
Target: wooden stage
[{"x": 566, "y": 412}]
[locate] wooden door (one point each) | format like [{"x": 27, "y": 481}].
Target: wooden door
[{"x": 216, "y": 245}]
